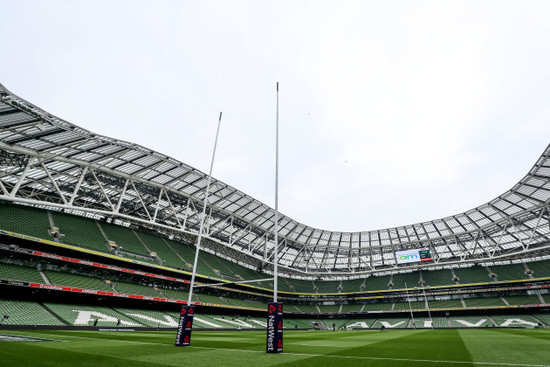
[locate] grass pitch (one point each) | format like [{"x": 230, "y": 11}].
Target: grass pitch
[{"x": 465, "y": 347}]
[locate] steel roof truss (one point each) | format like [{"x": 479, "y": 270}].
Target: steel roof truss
[
  {"x": 22, "y": 177},
  {"x": 102, "y": 190},
  {"x": 61, "y": 195}
]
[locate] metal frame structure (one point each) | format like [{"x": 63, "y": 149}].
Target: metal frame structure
[{"x": 48, "y": 162}]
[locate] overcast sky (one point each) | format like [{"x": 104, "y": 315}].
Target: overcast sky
[{"x": 391, "y": 112}]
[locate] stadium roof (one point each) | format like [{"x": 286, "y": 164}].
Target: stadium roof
[{"x": 46, "y": 161}]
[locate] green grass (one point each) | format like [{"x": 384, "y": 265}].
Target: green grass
[{"x": 451, "y": 347}]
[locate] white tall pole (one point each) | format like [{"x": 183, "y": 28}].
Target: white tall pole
[
  {"x": 410, "y": 308},
  {"x": 275, "y": 254},
  {"x": 203, "y": 215},
  {"x": 427, "y": 306}
]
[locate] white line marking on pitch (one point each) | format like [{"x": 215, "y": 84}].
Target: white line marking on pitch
[
  {"x": 97, "y": 339},
  {"x": 387, "y": 359},
  {"x": 325, "y": 345}
]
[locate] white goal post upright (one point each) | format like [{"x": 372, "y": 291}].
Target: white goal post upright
[
  {"x": 183, "y": 337},
  {"x": 276, "y": 227},
  {"x": 203, "y": 215},
  {"x": 274, "y": 339}
]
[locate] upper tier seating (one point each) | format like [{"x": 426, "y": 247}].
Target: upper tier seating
[{"x": 24, "y": 219}]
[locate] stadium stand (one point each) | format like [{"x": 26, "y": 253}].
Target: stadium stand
[
  {"x": 541, "y": 269},
  {"x": 425, "y": 322},
  {"x": 374, "y": 282},
  {"x": 150, "y": 318},
  {"x": 381, "y": 306},
  {"x": 509, "y": 272},
  {"x": 26, "y": 313},
  {"x": 473, "y": 274},
  {"x": 327, "y": 286},
  {"x": 515, "y": 320},
  {"x": 301, "y": 286},
  {"x": 449, "y": 303},
  {"x": 470, "y": 321},
  {"x": 484, "y": 301},
  {"x": 126, "y": 240},
  {"x": 522, "y": 300},
  {"x": 350, "y": 286},
  {"x": 543, "y": 318},
  {"x": 391, "y": 323},
  {"x": 360, "y": 323},
  {"x": 175, "y": 294},
  {"x": 437, "y": 277},
  {"x": 297, "y": 324},
  {"x": 329, "y": 308},
  {"x": 80, "y": 231},
  {"x": 157, "y": 245},
  {"x": 77, "y": 280},
  {"x": 20, "y": 272},
  {"x": 406, "y": 280},
  {"x": 134, "y": 288},
  {"x": 85, "y": 315},
  {"x": 352, "y": 307},
  {"x": 307, "y": 308},
  {"x": 24, "y": 219}
]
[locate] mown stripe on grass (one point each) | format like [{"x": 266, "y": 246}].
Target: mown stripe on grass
[{"x": 337, "y": 356}]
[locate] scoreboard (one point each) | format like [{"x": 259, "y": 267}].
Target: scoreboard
[{"x": 411, "y": 256}]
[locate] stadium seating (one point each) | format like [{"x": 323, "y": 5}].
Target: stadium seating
[
  {"x": 307, "y": 308},
  {"x": 450, "y": 303},
  {"x": 381, "y": 306},
  {"x": 484, "y": 301},
  {"x": 543, "y": 318},
  {"x": 134, "y": 288},
  {"x": 291, "y": 308},
  {"x": 415, "y": 305},
  {"x": 301, "y": 286},
  {"x": 509, "y": 272},
  {"x": 473, "y": 274},
  {"x": 515, "y": 320},
  {"x": 425, "y": 322},
  {"x": 406, "y": 280},
  {"x": 20, "y": 272},
  {"x": 76, "y": 280},
  {"x": 374, "y": 282},
  {"x": 25, "y": 220},
  {"x": 391, "y": 323},
  {"x": 297, "y": 324},
  {"x": 522, "y": 300},
  {"x": 207, "y": 298},
  {"x": 84, "y": 315},
  {"x": 150, "y": 318},
  {"x": 26, "y": 313},
  {"x": 471, "y": 321},
  {"x": 437, "y": 277},
  {"x": 175, "y": 294},
  {"x": 360, "y": 323},
  {"x": 352, "y": 307},
  {"x": 165, "y": 253},
  {"x": 327, "y": 286},
  {"x": 125, "y": 239},
  {"x": 541, "y": 269},
  {"x": 80, "y": 231},
  {"x": 329, "y": 308},
  {"x": 350, "y": 286}
]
